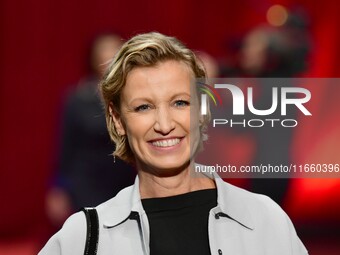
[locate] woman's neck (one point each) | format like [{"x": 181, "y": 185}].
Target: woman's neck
[{"x": 164, "y": 186}]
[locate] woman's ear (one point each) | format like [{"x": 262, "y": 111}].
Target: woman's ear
[{"x": 117, "y": 121}]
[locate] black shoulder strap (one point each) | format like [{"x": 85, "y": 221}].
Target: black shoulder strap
[{"x": 92, "y": 234}]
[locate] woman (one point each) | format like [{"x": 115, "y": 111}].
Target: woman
[{"x": 170, "y": 209}]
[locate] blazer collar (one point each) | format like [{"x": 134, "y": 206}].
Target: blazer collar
[
  {"x": 234, "y": 202},
  {"x": 118, "y": 209},
  {"x": 231, "y": 200}
]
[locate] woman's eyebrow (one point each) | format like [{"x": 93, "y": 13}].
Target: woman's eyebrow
[
  {"x": 149, "y": 99},
  {"x": 180, "y": 94},
  {"x": 144, "y": 99}
]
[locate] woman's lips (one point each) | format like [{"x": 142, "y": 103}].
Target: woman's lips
[{"x": 166, "y": 143}]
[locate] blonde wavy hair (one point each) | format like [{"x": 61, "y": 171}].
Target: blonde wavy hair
[{"x": 143, "y": 50}]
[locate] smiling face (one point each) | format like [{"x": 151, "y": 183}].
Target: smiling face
[{"x": 155, "y": 116}]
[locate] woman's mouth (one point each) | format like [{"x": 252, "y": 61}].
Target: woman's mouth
[{"x": 166, "y": 143}]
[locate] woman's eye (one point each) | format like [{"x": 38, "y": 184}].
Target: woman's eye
[
  {"x": 182, "y": 103},
  {"x": 143, "y": 107}
]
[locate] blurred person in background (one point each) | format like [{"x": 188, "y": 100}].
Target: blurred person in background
[
  {"x": 274, "y": 52},
  {"x": 210, "y": 64},
  {"x": 87, "y": 174}
]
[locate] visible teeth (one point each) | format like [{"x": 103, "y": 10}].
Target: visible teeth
[{"x": 166, "y": 143}]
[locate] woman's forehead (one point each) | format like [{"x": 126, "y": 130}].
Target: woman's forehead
[{"x": 169, "y": 76}]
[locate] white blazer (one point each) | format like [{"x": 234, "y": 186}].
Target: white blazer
[{"x": 242, "y": 223}]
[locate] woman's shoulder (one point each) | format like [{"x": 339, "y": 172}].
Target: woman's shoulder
[
  {"x": 258, "y": 206},
  {"x": 70, "y": 238},
  {"x": 261, "y": 214}
]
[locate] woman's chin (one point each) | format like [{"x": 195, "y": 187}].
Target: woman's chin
[{"x": 167, "y": 166}]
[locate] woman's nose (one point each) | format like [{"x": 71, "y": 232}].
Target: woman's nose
[{"x": 164, "y": 122}]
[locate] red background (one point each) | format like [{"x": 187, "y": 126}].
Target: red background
[{"x": 43, "y": 44}]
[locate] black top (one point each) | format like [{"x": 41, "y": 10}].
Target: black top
[{"x": 179, "y": 224}]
